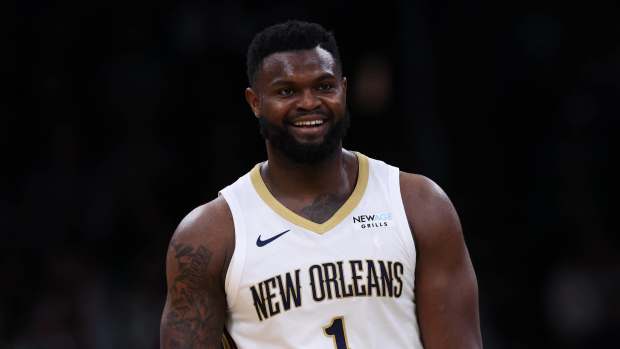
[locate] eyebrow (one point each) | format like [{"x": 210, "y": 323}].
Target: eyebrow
[{"x": 323, "y": 76}]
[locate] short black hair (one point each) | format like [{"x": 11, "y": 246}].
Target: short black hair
[{"x": 292, "y": 35}]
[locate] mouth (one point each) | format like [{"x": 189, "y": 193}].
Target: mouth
[
  {"x": 310, "y": 126},
  {"x": 308, "y": 123}
]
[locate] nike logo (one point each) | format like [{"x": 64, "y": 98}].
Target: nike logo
[{"x": 261, "y": 243}]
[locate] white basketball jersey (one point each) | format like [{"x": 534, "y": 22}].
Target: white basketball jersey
[{"x": 345, "y": 283}]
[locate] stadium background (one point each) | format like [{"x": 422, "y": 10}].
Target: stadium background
[{"x": 134, "y": 114}]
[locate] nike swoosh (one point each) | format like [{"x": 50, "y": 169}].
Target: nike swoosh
[{"x": 261, "y": 243}]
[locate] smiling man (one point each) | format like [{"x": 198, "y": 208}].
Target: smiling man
[{"x": 319, "y": 246}]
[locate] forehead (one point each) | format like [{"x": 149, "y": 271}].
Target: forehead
[{"x": 296, "y": 64}]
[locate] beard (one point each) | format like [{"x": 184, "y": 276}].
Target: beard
[{"x": 305, "y": 153}]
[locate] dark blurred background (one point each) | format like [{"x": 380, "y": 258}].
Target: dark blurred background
[{"x": 134, "y": 114}]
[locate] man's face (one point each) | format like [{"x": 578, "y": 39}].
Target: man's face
[{"x": 300, "y": 100}]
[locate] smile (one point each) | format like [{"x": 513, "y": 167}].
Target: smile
[{"x": 310, "y": 123}]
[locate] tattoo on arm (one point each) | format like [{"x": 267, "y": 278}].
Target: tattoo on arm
[
  {"x": 323, "y": 207},
  {"x": 191, "y": 320}
]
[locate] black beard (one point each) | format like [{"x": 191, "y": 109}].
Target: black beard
[{"x": 305, "y": 153}]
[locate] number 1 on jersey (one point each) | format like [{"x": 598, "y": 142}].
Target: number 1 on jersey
[{"x": 336, "y": 329}]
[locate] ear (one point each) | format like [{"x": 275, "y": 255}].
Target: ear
[
  {"x": 344, "y": 85},
  {"x": 253, "y": 101}
]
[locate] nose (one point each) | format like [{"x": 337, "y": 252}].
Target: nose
[{"x": 308, "y": 101}]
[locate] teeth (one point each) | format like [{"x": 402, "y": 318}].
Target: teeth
[{"x": 308, "y": 123}]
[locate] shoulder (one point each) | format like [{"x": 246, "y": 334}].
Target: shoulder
[
  {"x": 420, "y": 187},
  {"x": 207, "y": 230},
  {"x": 206, "y": 221},
  {"x": 430, "y": 212}
]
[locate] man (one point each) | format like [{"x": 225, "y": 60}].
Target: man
[{"x": 318, "y": 247}]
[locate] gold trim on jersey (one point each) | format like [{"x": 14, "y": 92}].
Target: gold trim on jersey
[
  {"x": 225, "y": 344},
  {"x": 335, "y": 219}
]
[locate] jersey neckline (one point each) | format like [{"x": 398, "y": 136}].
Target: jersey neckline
[{"x": 319, "y": 228}]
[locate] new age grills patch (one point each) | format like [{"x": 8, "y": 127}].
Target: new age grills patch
[{"x": 376, "y": 220}]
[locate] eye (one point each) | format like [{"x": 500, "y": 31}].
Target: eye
[
  {"x": 325, "y": 86},
  {"x": 285, "y": 92}
]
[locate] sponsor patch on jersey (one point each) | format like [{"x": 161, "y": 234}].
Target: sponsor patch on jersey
[{"x": 375, "y": 220}]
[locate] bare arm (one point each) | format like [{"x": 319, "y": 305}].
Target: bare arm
[
  {"x": 446, "y": 286},
  {"x": 196, "y": 264}
]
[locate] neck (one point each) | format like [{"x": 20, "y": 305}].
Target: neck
[{"x": 336, "y": 173}]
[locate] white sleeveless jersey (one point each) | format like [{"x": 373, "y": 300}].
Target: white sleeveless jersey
[{"x": 345, "y": 283}]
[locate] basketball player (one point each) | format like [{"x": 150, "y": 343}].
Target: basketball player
[{"x": 319, "y": 246}]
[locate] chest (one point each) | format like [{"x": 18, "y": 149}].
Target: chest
[{"x": 288, "y": 266}]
